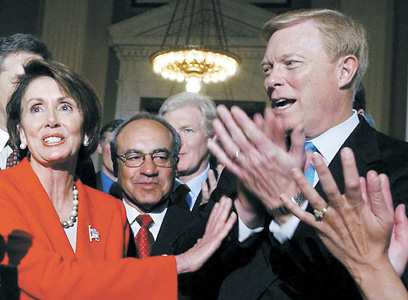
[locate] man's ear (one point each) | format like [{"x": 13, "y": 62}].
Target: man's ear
[
  {"x": 348, "y": 69},
  {"x": 99, "y": 149}
]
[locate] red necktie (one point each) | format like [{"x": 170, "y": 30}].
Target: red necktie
[{"x": 144, "y": 238}]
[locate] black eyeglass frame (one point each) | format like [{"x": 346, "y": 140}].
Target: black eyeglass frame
[{"x": 169, "y": 164}]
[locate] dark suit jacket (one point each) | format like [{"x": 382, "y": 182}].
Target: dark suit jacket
[
  {"x": 176, "y": 220},
  {"x": 197, "y": 205},
  {"x": 86, "y": 172},
  {"x": 99, "y": 181},
  {"x": 303, "y": 268}
]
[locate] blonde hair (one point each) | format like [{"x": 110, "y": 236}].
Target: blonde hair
[{"x": 340, "y": 35}]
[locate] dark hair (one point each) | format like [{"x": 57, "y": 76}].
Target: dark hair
[
  {"x": 109, "y": 127},
  {"x": 175, "y": 146},
  {"x": 73, "y": 85},
  {"x": 360, "y": 98},
  {"x": 22, "y": 42}
]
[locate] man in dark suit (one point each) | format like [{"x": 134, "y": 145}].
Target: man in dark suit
[
  {"x": 191, "y": 115},
  {"x": 313, "y": 65},
  {"x": 144, "y": 155}
]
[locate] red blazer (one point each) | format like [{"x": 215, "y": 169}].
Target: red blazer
[{"x": 97, "y": 270}]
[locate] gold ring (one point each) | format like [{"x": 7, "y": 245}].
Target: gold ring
[{"x": 319, "y": 214}]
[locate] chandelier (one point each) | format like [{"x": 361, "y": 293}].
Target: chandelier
[{"x": 195, "y": 46}]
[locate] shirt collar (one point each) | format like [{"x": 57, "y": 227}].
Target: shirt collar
[
  {"x": 4, "y": 137},
  {"x": 329, "y": 142},
  {"x": 157, "y": 216},
  {"x": 195, "y": 183}
]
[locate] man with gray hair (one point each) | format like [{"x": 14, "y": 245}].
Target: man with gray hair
[{"x": 191, "y": 115}]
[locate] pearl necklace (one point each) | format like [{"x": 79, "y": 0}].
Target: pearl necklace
[{"x": 74, "y": 214}]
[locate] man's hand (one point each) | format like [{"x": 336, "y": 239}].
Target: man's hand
[
  {"x": 256, "y": 152},
  {"x": 218, "y": 226}
]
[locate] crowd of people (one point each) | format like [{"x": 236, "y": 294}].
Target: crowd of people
[{"x": 307, "y": 201}]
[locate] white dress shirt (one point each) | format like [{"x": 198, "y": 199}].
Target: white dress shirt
[
  {"x": 327, "y": 144},
  {"x": 5, "y": 150},
  {"x": 157, "y": 216}
]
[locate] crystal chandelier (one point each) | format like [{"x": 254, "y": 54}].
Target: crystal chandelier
[{"x": 195, "y": 47}]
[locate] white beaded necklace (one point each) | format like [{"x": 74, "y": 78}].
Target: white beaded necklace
[{"x": 74, "y": 214}]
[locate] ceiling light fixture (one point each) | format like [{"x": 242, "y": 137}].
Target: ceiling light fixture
[{"x": 195, "y": 46}]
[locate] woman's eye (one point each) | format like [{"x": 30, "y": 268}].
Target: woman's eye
[
  {"x": 66, "y": 107},
  {"x": 35, "y": 109}
]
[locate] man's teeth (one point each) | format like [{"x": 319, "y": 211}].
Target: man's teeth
[
  {"x": 284, "y": 106},
  {"x": 52, "y": 139},
  {"x": 283, "y": 103}
]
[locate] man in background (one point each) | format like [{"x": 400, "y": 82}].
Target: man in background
[
  {"x": 360, "y": 105},
  {"x": 191, "y": 115},
  {"x": 105, "y": 177}
]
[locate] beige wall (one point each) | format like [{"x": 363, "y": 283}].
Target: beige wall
[{"x": 377, "y": 18}]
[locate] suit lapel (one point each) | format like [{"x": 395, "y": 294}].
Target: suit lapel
[
  {"x": 196, "y": 207},
  {"x": 174, "y": 222},
  {"x": 363, "y": 141}
]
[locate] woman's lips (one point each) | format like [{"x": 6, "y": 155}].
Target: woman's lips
[{"x": 53, "y": 140}]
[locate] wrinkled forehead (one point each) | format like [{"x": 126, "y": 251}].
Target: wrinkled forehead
[{"x": 144, "y": 136}]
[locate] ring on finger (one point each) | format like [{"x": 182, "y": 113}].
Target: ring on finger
[
  {"x": 236, "y": 156},
  {"x": 319, "y": 214}
]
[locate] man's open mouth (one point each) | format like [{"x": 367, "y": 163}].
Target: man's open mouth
[{"x": 282, "y": 103}]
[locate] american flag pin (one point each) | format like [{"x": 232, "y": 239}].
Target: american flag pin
[{"x": 93, "y": 234}]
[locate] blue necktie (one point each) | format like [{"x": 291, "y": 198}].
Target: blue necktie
[{"x": 309, "y": 173}]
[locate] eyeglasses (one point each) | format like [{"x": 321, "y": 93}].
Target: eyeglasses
[{"x": 132, "y": 159}]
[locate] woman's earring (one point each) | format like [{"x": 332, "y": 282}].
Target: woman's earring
[
  {"x": 86, "y": 143},
  {"x": 23, "y": 146}
]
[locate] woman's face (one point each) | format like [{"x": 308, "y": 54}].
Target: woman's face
[{"x": 51, "y": 123}]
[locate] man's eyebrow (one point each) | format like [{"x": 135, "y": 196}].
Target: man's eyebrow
[
  {"x": 161, "y": 150},
  {"x": 154, "y": 151}
]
